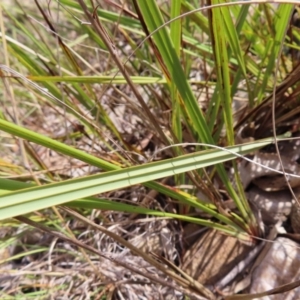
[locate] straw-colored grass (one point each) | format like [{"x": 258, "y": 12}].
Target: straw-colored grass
[{"x": 118, "y": 132}]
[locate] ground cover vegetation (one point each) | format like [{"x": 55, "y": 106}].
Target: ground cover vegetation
[{"x": 149, "y": 149}]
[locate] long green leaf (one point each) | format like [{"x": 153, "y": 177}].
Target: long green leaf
[
  {"x": 281, "y": 21},
  {"x": 108, "y": 204},
  {"x": 36, "y": 198},
  {"x": 154, "y": 20}
]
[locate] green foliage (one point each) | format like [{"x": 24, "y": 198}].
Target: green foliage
[{"x": 76, "y": 59}]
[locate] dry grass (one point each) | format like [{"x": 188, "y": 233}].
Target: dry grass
[
  {"x": 74, "y": 254},
  {"x": 40, "y": 266}
]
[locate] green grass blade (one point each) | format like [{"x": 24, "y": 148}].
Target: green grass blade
[
  {"x": 154, "y": 20},
  {"x": 36, "y": 198},
  {"x": 282, "y": 18},
  {"x": 108, "y": 204}
]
